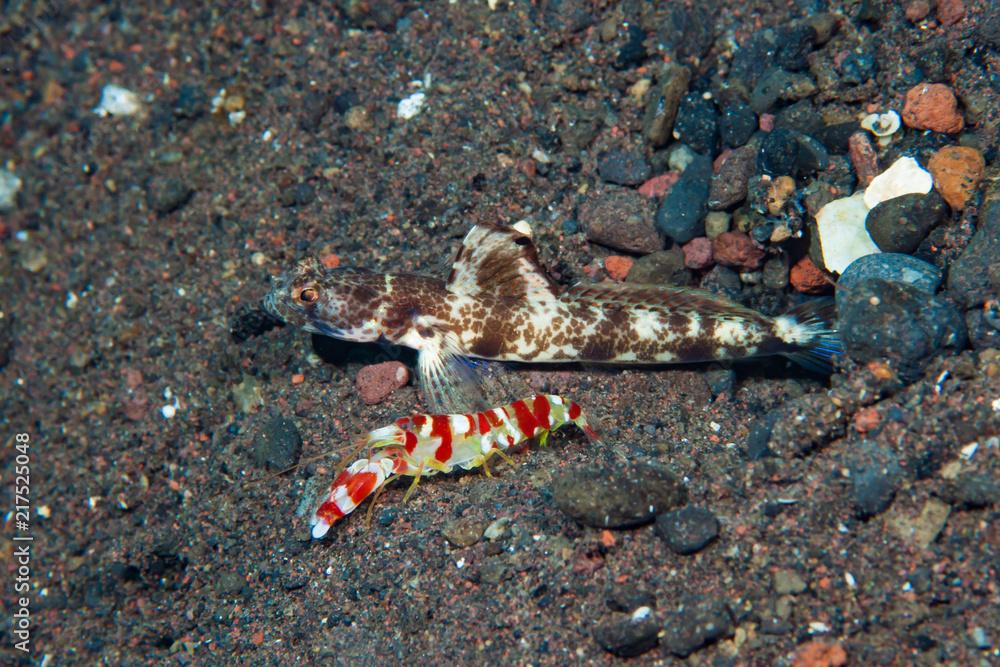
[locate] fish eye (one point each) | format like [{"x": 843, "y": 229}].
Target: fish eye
[{"x": 308, "y": 295}]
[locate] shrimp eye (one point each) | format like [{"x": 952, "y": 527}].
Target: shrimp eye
[{"x": 308, "y": 295}]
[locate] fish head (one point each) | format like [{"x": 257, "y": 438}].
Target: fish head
[{"x": 342, "y": 303}]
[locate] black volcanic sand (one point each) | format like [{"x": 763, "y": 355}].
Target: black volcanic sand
[{"x": 851, "y": 519}]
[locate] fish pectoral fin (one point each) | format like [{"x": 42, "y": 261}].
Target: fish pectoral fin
[
  {"x": 501, "y": 261},
  {"x": 449, "y": 380}
]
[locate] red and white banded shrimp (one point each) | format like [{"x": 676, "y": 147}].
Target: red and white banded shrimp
[{"x": 425, "y": 444}]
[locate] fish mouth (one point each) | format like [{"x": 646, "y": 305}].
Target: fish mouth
[
  {"x": 325, "y": 329},
  {"x": 272, "y": 306}
]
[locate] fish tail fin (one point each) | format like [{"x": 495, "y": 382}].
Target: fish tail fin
[{"x": 809, "y": 331}]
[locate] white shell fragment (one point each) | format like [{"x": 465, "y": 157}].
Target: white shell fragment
[
  {"x": 118, "y": 101},
  {"x": 523, "y": 227},
  {"x": 842, "y": 233},
  {"x": 881, "y": 124},
  {"x": 410, "y": 106},
  {"x": 904, "y": 177}
]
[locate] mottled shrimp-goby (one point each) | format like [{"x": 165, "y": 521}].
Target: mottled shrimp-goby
[{"x": 498, "y": 303}]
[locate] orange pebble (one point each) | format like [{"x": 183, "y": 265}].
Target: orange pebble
[
  {"x": 820, "y": 654},
  {"x": 866, "y": 419},
  {"x": 618, "y": 266},
  {"x": 807, "y": 278},
  {"x": 607, "y": 538},
  {"x": 298, "y": 378},
  {"x": 330, "y": 261}
]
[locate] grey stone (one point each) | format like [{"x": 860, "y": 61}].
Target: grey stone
[
  {"x": 681, "y": 215},
  {"x": 619, "y": 498},
  {"x": 278, "y": 444},
  {"x": 166, "y": 195},
  {"x": 788, "y": 582},
  {"x": 622, "y": 219},
  {"x": 974, "y": 277},
  {"x": 889, "y": 266},
  {"x": 662, "y": 103},
  {"x": 665, "y": 267},
  {"x": 729, "y": 186},
  {"x": 899, "y": 323},
  {"x": 777, "y": 84},
  {"x": 626, "y": 638}
]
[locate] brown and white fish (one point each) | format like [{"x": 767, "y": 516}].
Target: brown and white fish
[{"x": 498, "y": 303}]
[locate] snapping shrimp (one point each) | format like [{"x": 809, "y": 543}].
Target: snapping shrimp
[{"x": 426, "y": 444}]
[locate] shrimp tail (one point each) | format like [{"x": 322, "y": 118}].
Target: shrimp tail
[{"x": 358, "y": 481}]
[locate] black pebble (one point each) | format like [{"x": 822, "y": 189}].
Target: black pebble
[
  {"x": 901, "y": 223},
  {"x": 166, "y": 195},
  {"x": 973, "y": 490},
  {"x": 687, "y": 530},
  {"x": 857, "y": 68},
  {"x": 191, "y": 102},
  {"x": 875, "y": 477},
  {"x": 681, "y": 214},
  {"x": 633, "y": 53},
  {"x": 628, "y": 598},
  {"x": 737, "y": 124},
  {"x": 315, "y": 106},
  {"x": 760, "y": 435},
  {"x": 342, "y": 102},
  {"x": 623, "y": 167},
  {"x": 796, "y": 45},
  {"x": 250, "y": 322},
  {"x": 626, "y": 638},
  {"x": 779, "y": 154},
  {"x": 697, "y": 123},
  {"x": 298, "y": 194},
  {"x": 278, "y": 444},
  {"x": 696, "y": 625}
]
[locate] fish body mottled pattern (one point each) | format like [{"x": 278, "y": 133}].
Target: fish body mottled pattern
[{"x": 498, "y": 303}]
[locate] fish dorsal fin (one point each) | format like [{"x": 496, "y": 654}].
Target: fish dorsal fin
[
  {"x": 681, "y": 299},
  {"x": 501, "y": 261}
]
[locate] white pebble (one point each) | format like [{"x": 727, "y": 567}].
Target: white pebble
[
  {"x": 168, "y": 411},
  {"x": 410, "y": 106},
  {"x": 842, "y": 233},
  {"x": 10, "y": 185},
  {"x": 904, "y": 177},
  {"x": 118, "y": 101},
  {"x": 641, "y": 614}
]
